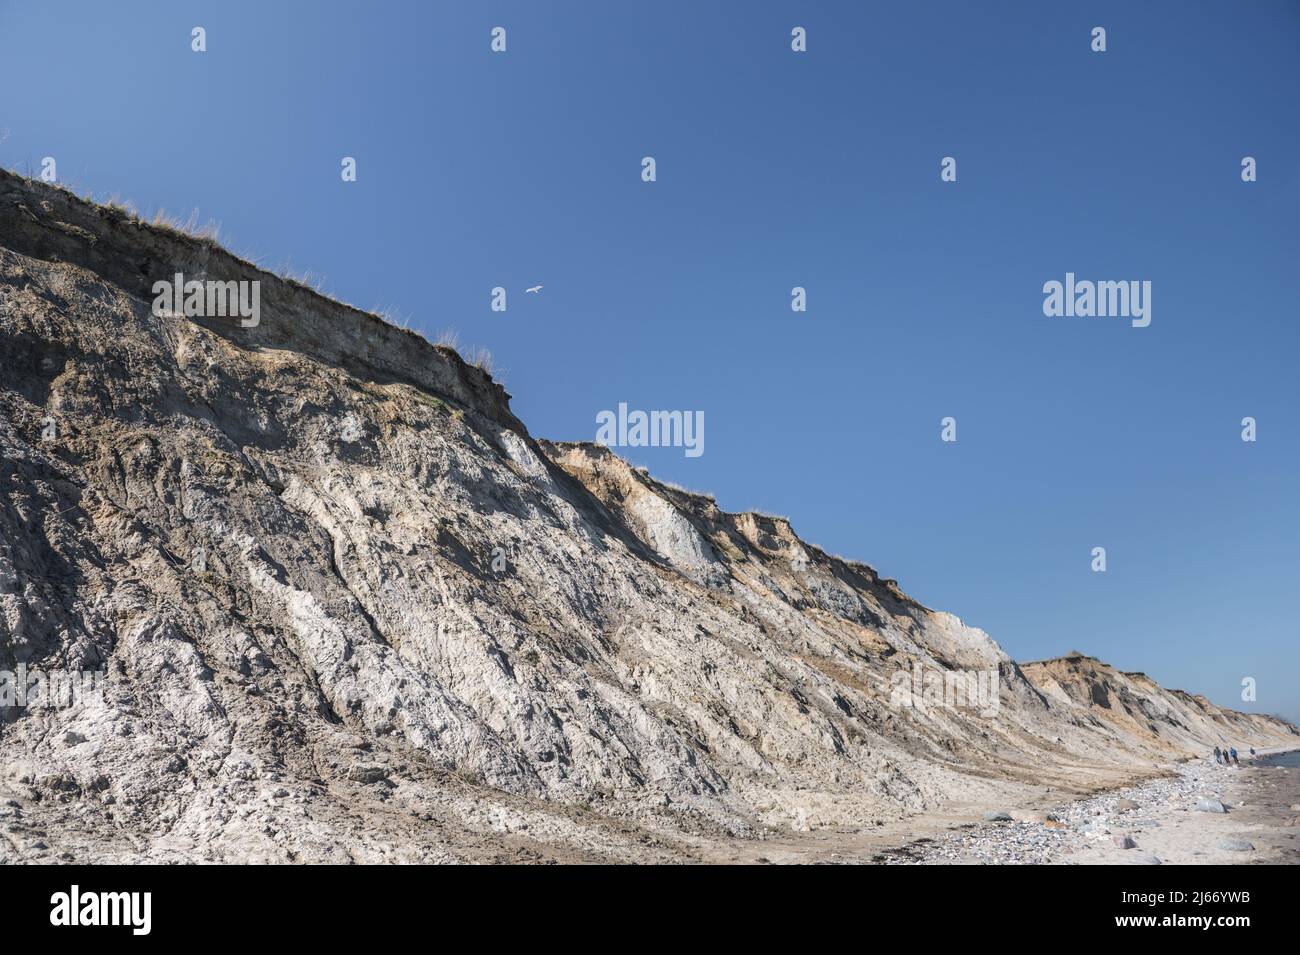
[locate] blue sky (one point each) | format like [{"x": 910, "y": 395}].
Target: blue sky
[{"x": 778, "y": 169}]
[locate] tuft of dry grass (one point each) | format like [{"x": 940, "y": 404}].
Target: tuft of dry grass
[
  {"x": 393, "y": 317},
  {"x": 481, "y": 358},
  {"x": 208, "y": 232},
  {"x": 122, "y": 207},
  {"x": 679, "y": 488},
  {"x": 308, "y": 280},
  {"x": 449, "y": 338}
]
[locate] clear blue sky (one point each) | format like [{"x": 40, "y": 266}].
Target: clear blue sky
[{"x": 776, "y": 170}]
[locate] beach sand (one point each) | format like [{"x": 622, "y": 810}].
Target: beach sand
[{"x": 1153, "y": 823}]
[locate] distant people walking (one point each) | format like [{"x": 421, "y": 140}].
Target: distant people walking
[
  {"x": 1216, "y": 754},
  {"x": 1234, "y": 757}
]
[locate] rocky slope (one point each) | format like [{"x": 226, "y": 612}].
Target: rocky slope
[
  {"x": 347, "y": 608},
  {"x": 1134, "y": 706}
]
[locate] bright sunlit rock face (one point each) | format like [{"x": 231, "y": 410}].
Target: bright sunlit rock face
[{"x": 344, "y": 606}]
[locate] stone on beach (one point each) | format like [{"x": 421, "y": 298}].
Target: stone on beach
[
  {"x": 1210, "y": 805},
  {"x": 1091, "y": 831},
  {"x": 1235, "y": 845}
]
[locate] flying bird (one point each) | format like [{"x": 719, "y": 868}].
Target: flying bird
[{"x": 535, "y": 288}]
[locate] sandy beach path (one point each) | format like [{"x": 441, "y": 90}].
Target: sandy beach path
[{"x": 1155, "y": 823}]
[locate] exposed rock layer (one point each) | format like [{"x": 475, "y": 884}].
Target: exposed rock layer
[{"x": 349, "y": 609}]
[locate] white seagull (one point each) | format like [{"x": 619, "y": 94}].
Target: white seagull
[{"x": 535, "y": 288}]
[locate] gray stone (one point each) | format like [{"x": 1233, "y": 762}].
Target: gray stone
[
  {"x": 1235, "y": 845},
  {"x": 367, "y": 774}
]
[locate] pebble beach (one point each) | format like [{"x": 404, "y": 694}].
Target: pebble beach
[{"x": 1205, "y": 813}]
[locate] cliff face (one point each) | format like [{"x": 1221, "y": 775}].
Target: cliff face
[
  {"x": 1134, "y": 706},
  {"x": 346, "y": 607}
]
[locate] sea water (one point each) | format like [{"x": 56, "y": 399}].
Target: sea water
[{"x": 1281, "y": 759}]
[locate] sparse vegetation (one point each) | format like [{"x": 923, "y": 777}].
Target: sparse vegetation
[
  {"x": 431, "y": 400},
  {"x": 479, "y": 357},
  {"x": 394, "y": 317},
  {"x": 470, "y": 777},
  {"x": 118, "y": 208},
  {"x": 307, "y": 280},
  {"x": 208, "y": 232},
  {"x": 679, "y": 488},
  {"x": 76, "y": 231}
]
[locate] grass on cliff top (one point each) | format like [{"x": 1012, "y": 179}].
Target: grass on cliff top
[{"x": 208, "y": 233}]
